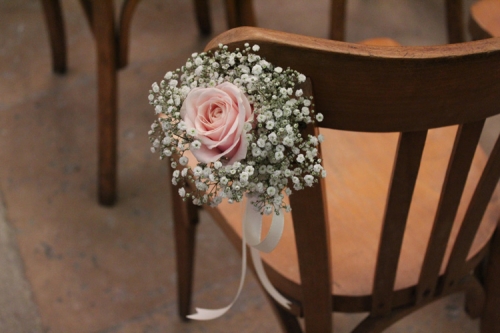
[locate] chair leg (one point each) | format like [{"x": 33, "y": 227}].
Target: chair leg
[
  {"x": 454, "y": 21},
  {"x": 240, "y": 13},
  {"x": 202, "y": 8},
  {"x": 185, "y": 222},
  {"x": 490, "y": 320},
  {"x": 55, "y": 25},
  {"x": 126, "y": 14},
  {"x": 474, "y": 298},
  {"x": 288, "y": 322},
  {"x": 337, "y": 19},
  {"x": 103, "y": 21}
]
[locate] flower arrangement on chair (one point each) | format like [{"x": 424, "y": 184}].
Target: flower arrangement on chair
[{"x": 241, "y": 119}]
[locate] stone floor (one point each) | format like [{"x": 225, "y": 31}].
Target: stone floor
[{"x": 70, "y": 265}]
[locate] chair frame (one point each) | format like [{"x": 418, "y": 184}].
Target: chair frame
[
  {"x": 353, "y": 69},
  {"x": 112, "y": 44}
]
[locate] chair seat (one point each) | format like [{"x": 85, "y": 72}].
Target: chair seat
[
  {"x": 485, "y": 16},
  {"x": 356, "y": 198}
]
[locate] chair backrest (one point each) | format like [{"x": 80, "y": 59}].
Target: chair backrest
[{"x": 393, "y": 89}]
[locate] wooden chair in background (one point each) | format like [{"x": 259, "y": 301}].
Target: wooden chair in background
[
  {"x": 408, "y": 210},
  {"x": 112, "y": 43},
  {"x": 484, "y": 19},
  {"x": 454, "y": 20}
]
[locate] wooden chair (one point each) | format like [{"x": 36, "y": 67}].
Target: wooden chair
[
  {"x": 408, "y": 211},
  {"x": 484, "y": 21},
  {"x": 241, "y": 13},
  {"x": 112, "y": 43},
  {"x": 454, "y": 20}
]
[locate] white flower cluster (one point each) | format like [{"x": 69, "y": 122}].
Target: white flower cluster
[{"x": 278, "y": 156}]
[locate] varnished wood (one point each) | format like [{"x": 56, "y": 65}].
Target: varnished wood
[
  {"x": 288, "y": 322},
  {"x": 490, "y": 321},
  {"x": 403, "y": 179},
  {"x": 240, "y": 13},
  {"x": 454, "y": 21},
  {"x": 313, "y": 251},
  {"x": 356, "y": 68},
  {"x": 379, "y": 42},
  {"x": 202, "y": 9},
  {"x": 474, "y": 215},
  {"x": 356, "y": 192},
  {"x": 185, "y": 222},
  {"x": 88, "y": 11},
  {"x": 112, "y": 44},
  {"x": 461, "y": 158},
  {"x": 57, "y": 37},
  {"x": 103, "y": 20},
  {"x": 126, "y": 15},
  {"x": 484, "y": 19},
  {"x": 337, "y": 19}
]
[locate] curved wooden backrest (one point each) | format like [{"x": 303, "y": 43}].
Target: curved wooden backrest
[
  {"x": 392, "y": 89},
  {"x": 376, "y": 89}
]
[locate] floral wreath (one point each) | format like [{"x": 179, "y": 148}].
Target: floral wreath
[{"x": 241, "y": 117}]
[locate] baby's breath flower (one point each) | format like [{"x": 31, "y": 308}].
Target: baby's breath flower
[
  {"x": 197, "y": 171},
  {"x": 277, "y": 154},
  {"x": 309, "y": 180},
  {"x": 270, "y": 124},
  {"x": 184, "y": 172},
  {"x": 196, "y": 144}
]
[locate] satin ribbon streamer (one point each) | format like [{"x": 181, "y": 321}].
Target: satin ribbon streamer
[{"x": 252, "y": 227}]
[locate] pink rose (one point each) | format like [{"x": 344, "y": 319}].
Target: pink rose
[{"x": 218, "y": 115}]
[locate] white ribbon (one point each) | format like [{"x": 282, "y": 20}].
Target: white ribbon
[{"x": 252, "y": 227}]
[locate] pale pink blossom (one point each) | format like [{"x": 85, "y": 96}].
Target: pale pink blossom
[{"x": 218, "y": 115}]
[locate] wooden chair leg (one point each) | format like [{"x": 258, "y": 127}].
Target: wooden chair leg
[
  {"x": 474, "y": 299},
  {"x": 57, "y": 37},
  {"x": 288, "y": 322},
  {"x": 337, "y": 19},
  {"x": 240, "y": 13},
  {"x": 454, "y": 21},
  {"x": 202, "y": 8},
  {"x": 88, "y": 11},
  {"x": 103, "y": 20},
  {"x": 490, "y": 320},
  {"x": 126, "y": 14},
  {"x": 185, "y": 222}
]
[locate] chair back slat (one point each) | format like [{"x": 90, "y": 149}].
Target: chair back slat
[
  {"x": 473, "y": 216},
  {"x": 462, "y": 154},
  {"x": 313, "y": 251},
  {"x": 404, "y": 176}
]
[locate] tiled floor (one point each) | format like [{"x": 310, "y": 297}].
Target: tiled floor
[{"x": 69, "y": 265}]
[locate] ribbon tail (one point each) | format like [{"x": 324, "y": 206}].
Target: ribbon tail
[
  {"x": 268, "y": 286},
  {"x": 209, "y": 314}
]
